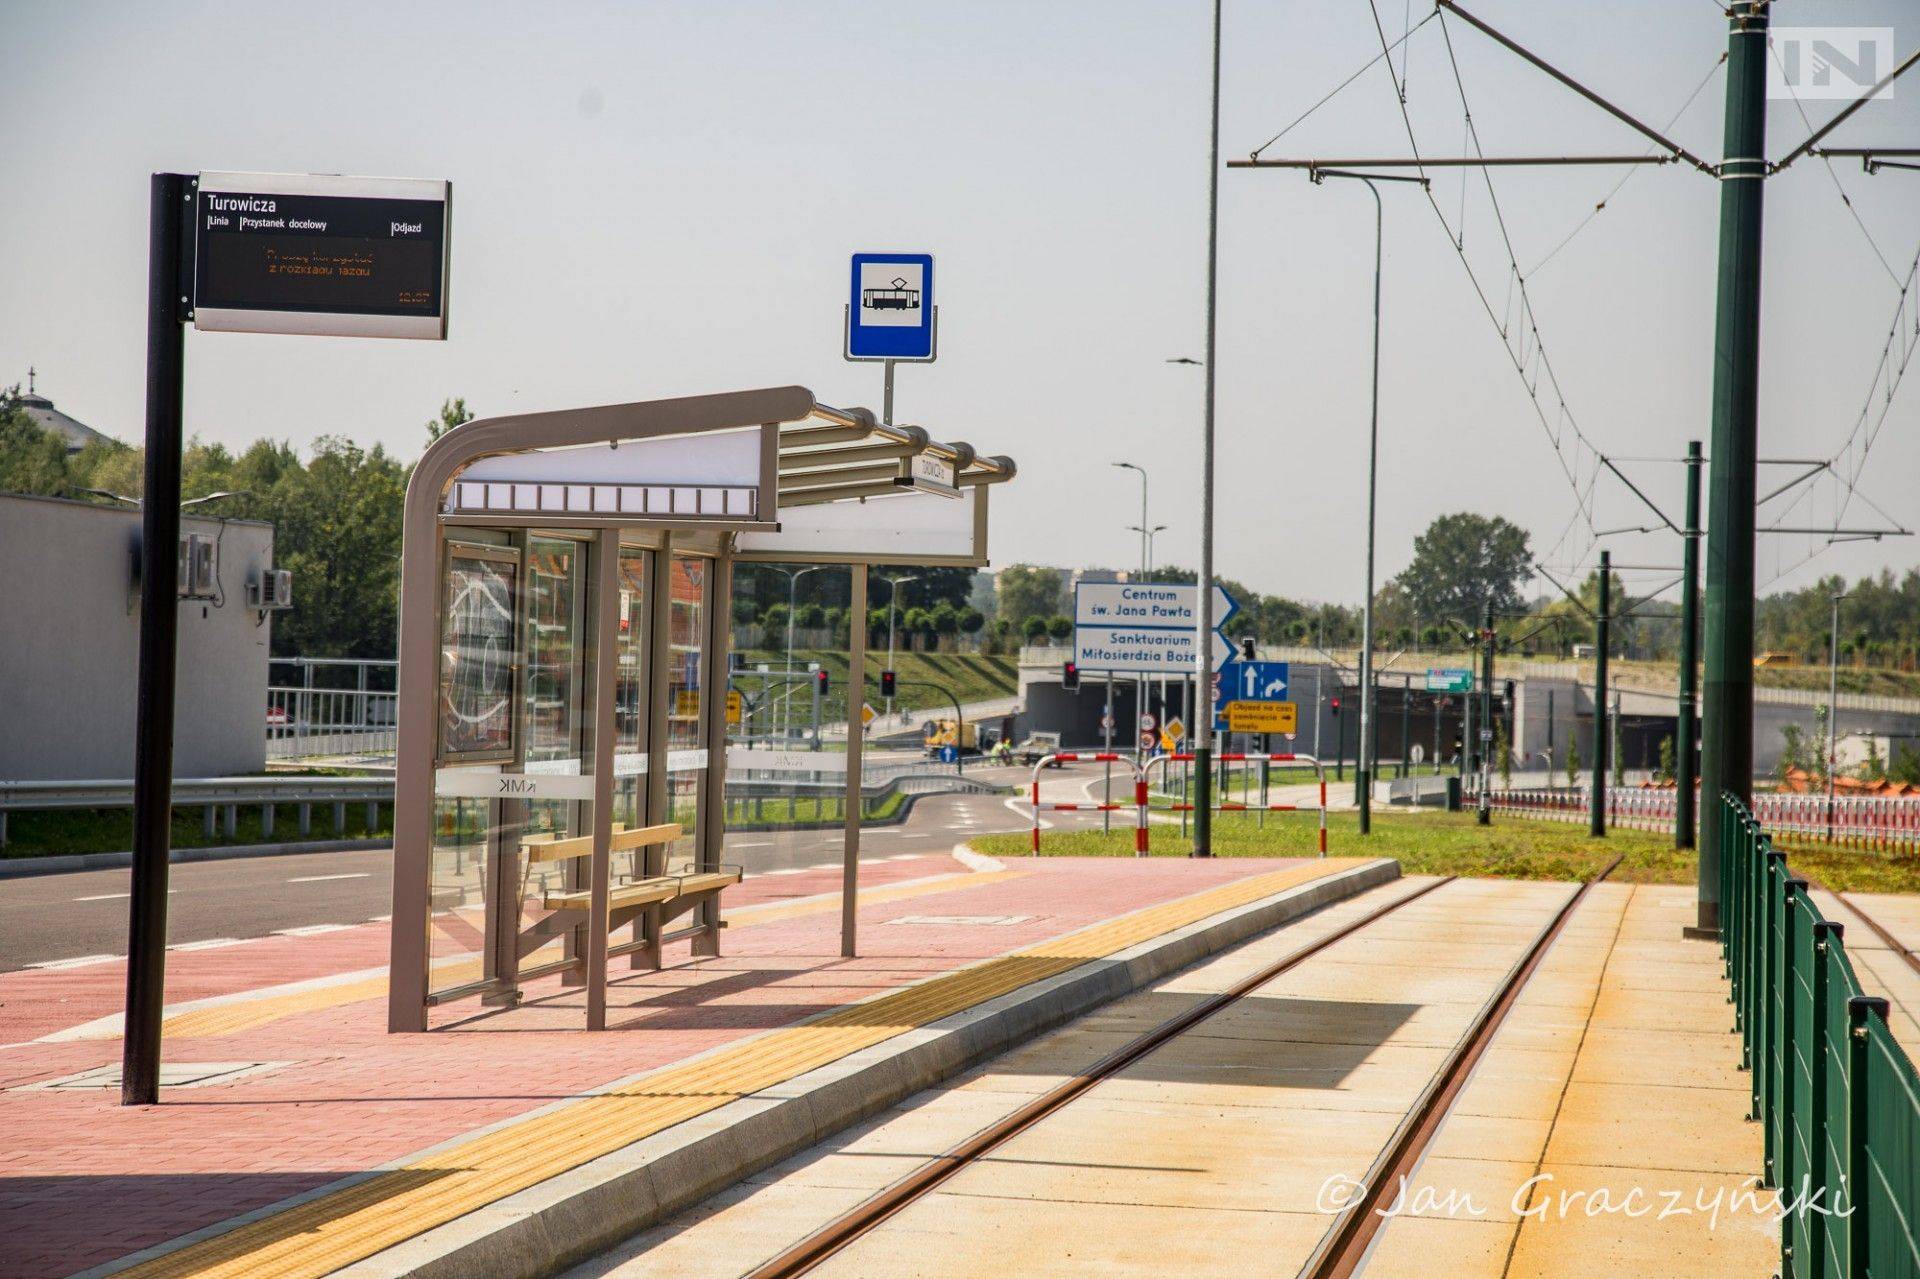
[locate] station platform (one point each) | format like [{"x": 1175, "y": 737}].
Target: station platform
[
  {"x": 1230, "y": 1148},
  {"x": 296, "y": 1137}
]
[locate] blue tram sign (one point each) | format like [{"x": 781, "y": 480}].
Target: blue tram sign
[{"x": 890, "y": 313}]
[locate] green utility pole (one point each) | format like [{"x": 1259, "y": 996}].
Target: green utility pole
[
  {"x": 1726, "y": 739},
  {"x": 1597, "y": 810},
  {"x": 1685, "y": 736},
  {"x": 1484, "y": 811}
]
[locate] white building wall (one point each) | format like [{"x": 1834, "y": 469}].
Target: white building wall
[{"x": 70, "y": 646}]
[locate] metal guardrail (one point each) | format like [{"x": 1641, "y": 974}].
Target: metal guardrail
[
  {"x": 217, "y": 795},
  {"x": 1837, "y": 1098},
  {"x": 311, "y": 719}
]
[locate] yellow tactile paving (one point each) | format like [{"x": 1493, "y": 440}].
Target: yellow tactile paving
[
  {"x": 245, "y": 1014},
  {"x": 337, "y": 1229}
]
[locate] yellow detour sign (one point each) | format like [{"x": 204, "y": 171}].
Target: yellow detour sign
[
  {"x": 686, "y": 703},
  {"x": 733, "y": 706},
  {"x": 1263, "y": 717}
]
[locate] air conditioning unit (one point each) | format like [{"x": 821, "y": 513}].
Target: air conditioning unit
[
  {"x": 273, "y": 589},
  {"x": 199, "y": 577}
]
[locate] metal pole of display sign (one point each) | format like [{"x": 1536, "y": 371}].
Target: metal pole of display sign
[
  {"x": 246, "y": 216},
  {"x": 170, "y": 201},
  {"x": 1106, "y": 747}
]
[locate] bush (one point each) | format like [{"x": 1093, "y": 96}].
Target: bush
[
  {"x": 1034, "y": 628},
  {"x": 1060, "y": 627}
]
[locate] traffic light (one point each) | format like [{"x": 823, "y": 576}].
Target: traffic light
[
  {"x": 1334, "y": 705},
  {"x": 820, "y": 683},
  {"x": 887, "y": 683},
  {"x": 1246, "y": 649},
  {"x": 1070, "y": 677}
]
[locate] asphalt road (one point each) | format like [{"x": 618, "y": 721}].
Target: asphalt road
[{"x": 51, "y": 918}]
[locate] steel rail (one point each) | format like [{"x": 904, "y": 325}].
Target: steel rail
[
  {"x": 822, "y": 1244},
  {"x": 1343, "y": 1249},
  {"x": 1878, "y": 929}
]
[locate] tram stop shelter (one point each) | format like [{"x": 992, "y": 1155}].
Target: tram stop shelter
[{"x": 560, "y": 791}]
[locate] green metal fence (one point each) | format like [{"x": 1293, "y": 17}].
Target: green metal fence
[{"x": 1838, "y": 1099}]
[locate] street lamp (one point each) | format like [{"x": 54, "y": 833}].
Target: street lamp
[
  {"x": 793, "y": 577},
  {"x": 1146, "y": 551},
  {"x": 1833, "y": 707},
  {"x": 1363, "y": 767},
  {"x": 1149, "y": 534},
  {"x": 893, "y": 594}
]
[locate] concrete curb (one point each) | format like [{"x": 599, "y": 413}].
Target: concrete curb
[
  {"x": 16, "y": 866},
  {"x": 571, "y": 1217}
]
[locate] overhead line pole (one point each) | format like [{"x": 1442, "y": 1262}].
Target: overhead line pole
[
  {"x": 1203, "y": 744},
  {"x": 1726, "y": 739},
  {"x": 1685, "y": 764},
  {"x": 1597, "y": 814}
]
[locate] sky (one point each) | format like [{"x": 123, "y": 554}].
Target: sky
[{"x": 660, "y": 199}]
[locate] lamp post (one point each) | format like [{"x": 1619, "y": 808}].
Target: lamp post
[
  {"x": 1146, "y": 567},
  {"x": 1363, "y": 766},
  {"x": 793, "y": 577},
  {"x": 1833, "y": 708},
  {"x": 893, "y": 594}
]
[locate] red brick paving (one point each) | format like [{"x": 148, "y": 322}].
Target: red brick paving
[{"x": 83, "y": 1181}]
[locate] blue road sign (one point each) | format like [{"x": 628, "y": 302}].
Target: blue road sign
[
  {"x": 890, "y": 307},
  {"x": 1250, "y": 682},
  {"x": 949, "y": 754}
]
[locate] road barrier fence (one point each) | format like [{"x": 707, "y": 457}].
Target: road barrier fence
[{"x": 1889, "y": 823}]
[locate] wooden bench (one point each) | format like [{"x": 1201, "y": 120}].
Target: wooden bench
[{"x": 667, "y": 895}]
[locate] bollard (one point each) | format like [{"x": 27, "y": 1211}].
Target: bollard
[{"x": 1140, "y": 815}]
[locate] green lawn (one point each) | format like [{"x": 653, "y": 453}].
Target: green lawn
[
  {"x": 1435, "y": 843},
  {"x": 110, "y": 830},
  {"x": 973, "y": 677}
]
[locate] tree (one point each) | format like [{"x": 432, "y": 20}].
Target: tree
[
  {"x": 1462, "y": 561},
  {"x": 1059, "y": 627},
  {"x": 1793, "y": 752},
  {"x": 1027, "y": 591},
  {"x": 1664, "y": 772},
  {"x": 1034, "y": 628},
  {"x": 810, "y": 616},
  {"x": 452, "y": 413},
  {"x": 1573, "y": 763},
  {"x": 971, "y": 621},
  {"x": 774, "y": 619}
]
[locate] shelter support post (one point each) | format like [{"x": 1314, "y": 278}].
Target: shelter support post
[
  {"x": 856, "y": 740},
  {"x": 712, "y": 830},
  {"x": 659, "y": 602},
  {"x": 606, "y": 665}
]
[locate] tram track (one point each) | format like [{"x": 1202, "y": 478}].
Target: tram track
[
  {"x": 1342, "y": 1251},
  {"x": 1343, "y": 1248},
  {"x": 1886, "y": 936}
]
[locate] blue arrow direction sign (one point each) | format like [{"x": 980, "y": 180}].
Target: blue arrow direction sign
[{"x": 1251, "y": 682}]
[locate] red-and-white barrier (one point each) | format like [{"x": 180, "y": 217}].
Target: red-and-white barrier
[
  {"x": 1093, "y": 757},
  {"x": 1876, "y": 822},
  {"x": 1229, "y": 806}
]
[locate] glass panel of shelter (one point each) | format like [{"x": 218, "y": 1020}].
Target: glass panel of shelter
[{"x": 517, "y": 697}]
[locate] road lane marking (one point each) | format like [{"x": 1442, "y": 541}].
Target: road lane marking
[
  {"x": 114, "y": 897},
  {"x": 317, "y": 879},
  {"x": 312, "y": 930},
  {"x": 78, "y": 962},
  {"x": 212, "y": 943}
]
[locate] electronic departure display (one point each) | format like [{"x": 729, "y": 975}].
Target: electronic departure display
[{"x": 301, "y": 253}]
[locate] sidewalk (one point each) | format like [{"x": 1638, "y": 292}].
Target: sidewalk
[{"x": 321, "y": 1097}]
